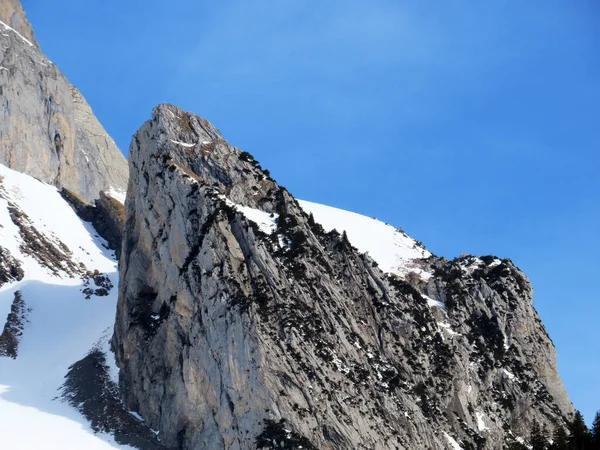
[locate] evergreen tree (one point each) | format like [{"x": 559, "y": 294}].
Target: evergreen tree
[
  {"x": 596, "y": 432},
  {"x": 580, "y": 437},
  {"x": 559, "y": 439},
  {"x": 516, "y": 445},
  {"x": 538, "y": 439},
  {"x": 345, "y": 237}
]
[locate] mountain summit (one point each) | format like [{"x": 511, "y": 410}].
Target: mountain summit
[
  {"x": 238, "y": 317},
  {"x": 242, "y": 323},
  {"x": 47, "y": 129}
]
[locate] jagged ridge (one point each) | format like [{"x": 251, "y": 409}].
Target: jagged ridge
[{"x": 224, "y": 331}]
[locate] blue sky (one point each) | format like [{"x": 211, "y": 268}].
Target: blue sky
[{"x": 474, "y": 126}]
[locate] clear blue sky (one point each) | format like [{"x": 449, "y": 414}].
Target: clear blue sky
[{"x": 475, "y": 126}]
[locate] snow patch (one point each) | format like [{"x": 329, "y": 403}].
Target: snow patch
[
  {"x": 452, "y": 442},
  {"x": 480, "y": 423},
  {"x": 183, "y": 144},
  {"x": 117, "y": 194},
  {"x": 431, "y": 302},
  {"x": 136, "y": 415},
  {"x": 339, "y": 364},
  {"x": 7, "y": 28},
  {"x": 508, "y": 374},
  {"x": 495, "y": 262},
  {"x": 448, "y": 328},
  {"x": 63, "y": 326},
  {"x": 267, "y": 223},
  {"x": 392, "y": 249},
  {"x": 56, "y": 220},
  {"x": 104, "y": 345}
]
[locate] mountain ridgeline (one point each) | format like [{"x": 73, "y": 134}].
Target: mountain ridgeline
[
  {"x": 245, "y": 319},
  {"x": 241, "y": 323}
]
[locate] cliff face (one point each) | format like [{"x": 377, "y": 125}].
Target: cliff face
[
  {"x": 242, "y": 324},
  {"x": 47, "y": 129},
  {"x": 12, "y": 14}
]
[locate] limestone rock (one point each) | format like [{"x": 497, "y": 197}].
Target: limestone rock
[
  {"x": 47, "y": 129},
  {"x": 241, "y": 324},
  {"x": 12, "y": 14},
  {"x": 107, "y": 215}
]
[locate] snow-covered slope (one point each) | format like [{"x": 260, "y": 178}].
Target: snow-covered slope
[
  {"x": 61, "y": 326},
  {"x": 391, "y": 248},
  {"x": 48, "y": 259}
]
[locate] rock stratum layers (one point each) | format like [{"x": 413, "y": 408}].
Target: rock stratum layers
[
  {"x": 47, "y": 129},
  {"x": 242, "y": 324}
]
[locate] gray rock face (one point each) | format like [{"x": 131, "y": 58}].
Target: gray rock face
[
  {"x": 12, "y": 14},
  {"x": 229, "y": 337},
  {"x": 47, "y": 129}
]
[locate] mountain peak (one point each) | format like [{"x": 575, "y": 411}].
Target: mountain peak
[
  {"x": 194, "y": 145},
  {"x": 242, "y": 321}
]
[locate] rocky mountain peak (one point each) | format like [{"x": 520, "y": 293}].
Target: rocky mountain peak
[
  {"x": 196, "y": 146},
  {"x": 242, "y": 323},
  {"x": 48, "y": 130}
]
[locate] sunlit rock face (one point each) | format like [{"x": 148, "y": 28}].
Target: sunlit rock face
[
  {"x": 243, "y": 323},
  {"x": 47, "y": 129}
]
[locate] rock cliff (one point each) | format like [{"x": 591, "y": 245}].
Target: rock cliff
[
  {"x": 47, "y": 129},
  {"x": 107, "y": 215},
  {"x": 242, "y": 324},
  {"x": 12, "y": 14}
]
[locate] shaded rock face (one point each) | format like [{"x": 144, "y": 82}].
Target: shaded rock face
[
  {"x": 107, "y": 215},
  {"x": 47, "y": 129},
  {"x": 236, "y": 335}
]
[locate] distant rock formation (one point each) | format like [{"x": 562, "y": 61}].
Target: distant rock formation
[
  {"x": 47, "y": 129},
  {"x": 242, "y": 324}
]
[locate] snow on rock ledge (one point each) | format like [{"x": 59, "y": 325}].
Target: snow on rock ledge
[{"x": 391, "y": 248}]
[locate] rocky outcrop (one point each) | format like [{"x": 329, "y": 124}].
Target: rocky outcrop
[
  {"x": 107, "y": 215},
  {"x": 241, "y": 324},
  {"x": 10, "y": 267},
  {"x": 489, "y": 303},
  {"x": 47, "y": 129},
  {"x": 13, "y": 328},
  {"x": 49, "y": 252},
  {"x": 110, "y": 220}
]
